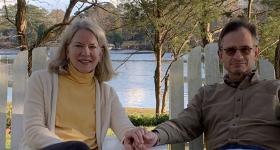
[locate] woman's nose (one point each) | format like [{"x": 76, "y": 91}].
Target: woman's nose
[{"x": 86, "y": 51}]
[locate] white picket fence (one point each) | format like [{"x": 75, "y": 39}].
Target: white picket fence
[
  {"x": 41, "y": 55},
  {"x": 195, "y": 81}
]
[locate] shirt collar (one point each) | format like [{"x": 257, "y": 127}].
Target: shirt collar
[{"x": 250, "y": 78}]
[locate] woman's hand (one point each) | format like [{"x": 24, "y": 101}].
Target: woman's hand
[{"x": 139, "y": 139}]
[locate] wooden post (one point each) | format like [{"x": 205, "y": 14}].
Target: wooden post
[
  {"x": 176, "y": 103},
  {"x": 3, "y": 103},
  {"x": 194, "y": 83},
  {"x": 266, "y": 69},
  {"x": 19, "y": 83}
]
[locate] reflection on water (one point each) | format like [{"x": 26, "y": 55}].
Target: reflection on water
[
  {"x": 134, "y": 83},
  {"x": 135, "y": 80}
]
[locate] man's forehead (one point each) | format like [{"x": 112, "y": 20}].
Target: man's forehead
[{"x": 241, "y": 36}]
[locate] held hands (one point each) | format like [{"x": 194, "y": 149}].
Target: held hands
[{"x": 139, "y": 139}]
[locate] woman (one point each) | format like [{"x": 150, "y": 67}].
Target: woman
[{"x": 69, "y": 106}]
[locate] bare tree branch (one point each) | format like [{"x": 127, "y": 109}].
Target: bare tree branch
[
  {"x": 270, "y": 45},
  {"x": 249, "y": 9},
  {"x": 216, "y": 30},
  {"x": 7, "y": 14},
  {"x": 55, "y": 30},
  {"x": 126, "y": 59}
]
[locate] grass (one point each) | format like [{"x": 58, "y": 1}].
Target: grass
[
  {"x": 129, "y": 110},
  {"x": 140, "y": 111}
]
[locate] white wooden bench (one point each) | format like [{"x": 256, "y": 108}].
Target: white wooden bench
[
  {"x": 19, "y": 71},
  {"x": 195, "y": 80},
  {"x": 41, "y": 55}
]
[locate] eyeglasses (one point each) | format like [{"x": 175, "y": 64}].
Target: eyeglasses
[{"x": 245, "y": 50}]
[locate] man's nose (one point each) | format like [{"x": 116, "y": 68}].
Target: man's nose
[{"x": 237, "y": 55}]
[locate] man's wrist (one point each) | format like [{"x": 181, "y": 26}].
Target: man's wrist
[{"x": 157, "y": 136}]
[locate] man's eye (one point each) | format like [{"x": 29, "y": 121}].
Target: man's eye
[
  {"x": 231, "y": 50},
  {"x": 79, "y": 46},
  {"x": 245, "y": 48}
]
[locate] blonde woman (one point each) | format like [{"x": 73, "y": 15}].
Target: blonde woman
[{"x": 69, "y": 106}]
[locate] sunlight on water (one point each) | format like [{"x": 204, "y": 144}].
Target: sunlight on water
[{"x": 135, "y": 97}]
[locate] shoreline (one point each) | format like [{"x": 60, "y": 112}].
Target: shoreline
[{"x": 142, "y": 111}]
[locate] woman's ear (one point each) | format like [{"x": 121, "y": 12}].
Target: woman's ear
[{"x": 102, "y": 49}]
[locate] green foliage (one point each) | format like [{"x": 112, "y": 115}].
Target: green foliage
[
  {"x": 268, "y": 26},
  {"x": 9, "y": 115},
  {"x": 147, "y": 120},
  {"x": 115, "y": 38}
]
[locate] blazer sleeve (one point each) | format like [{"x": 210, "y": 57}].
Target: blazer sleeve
[
  {"x": 36, "y": 133},
  {"x": 119, "y": 121}
]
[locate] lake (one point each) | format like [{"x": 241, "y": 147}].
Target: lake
[{"x": 134, "y": 82}]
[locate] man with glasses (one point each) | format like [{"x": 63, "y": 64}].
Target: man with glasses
[{"x": 238, "y": 114}]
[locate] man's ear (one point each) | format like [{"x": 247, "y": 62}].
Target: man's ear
[
  {"x": 257, "y": 52},
  {"x": 220, "y": 54}
]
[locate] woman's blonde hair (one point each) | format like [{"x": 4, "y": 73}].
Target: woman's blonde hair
[{"x": 104, "y": 70}]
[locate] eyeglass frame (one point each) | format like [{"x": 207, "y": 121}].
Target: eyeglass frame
[{"x": 242, "y": 51}]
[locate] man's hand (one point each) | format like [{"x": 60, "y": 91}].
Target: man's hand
[{"x": 139, "y": 139}]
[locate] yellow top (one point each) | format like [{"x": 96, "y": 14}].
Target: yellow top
[{"x": 75, "y": 110}]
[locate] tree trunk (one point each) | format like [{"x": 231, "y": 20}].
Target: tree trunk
[
  {"x": 249, "y": 9},
  {"x": 163, "y": 105},
  {"x": 21, "y": 24},
  {"x": 157, "y": 75},
  {"x": 206, "y": 35},
  {"x": 277, "y": 60}
]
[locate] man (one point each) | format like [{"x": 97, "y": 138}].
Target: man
[{"x": 239, "y": 113}]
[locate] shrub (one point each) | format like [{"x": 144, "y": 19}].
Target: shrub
[
  {"x": 147, "y": 120},
  {"x": 8, "y": 115},
  {"x": 136, "y": 119}
]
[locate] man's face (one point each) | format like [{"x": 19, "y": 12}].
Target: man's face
[{"x": 238, "y": 52}]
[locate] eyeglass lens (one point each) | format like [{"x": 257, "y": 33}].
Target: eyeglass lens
[{"x": 245, "y": 50}]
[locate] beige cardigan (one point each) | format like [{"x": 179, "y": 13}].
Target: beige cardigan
[{"x": 40, "y": 110}]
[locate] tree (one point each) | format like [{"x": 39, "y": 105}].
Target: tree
[
  {"x": 115, "y": 38},
  {"x": 270, "y": 32},
  {"x": 55, "y": 16},
  {"x": 51, "y": 32},
  {"x": 107, "y": 15},
  {"x": 21, "y": 24},
  {"x": 163, "y": 21}
]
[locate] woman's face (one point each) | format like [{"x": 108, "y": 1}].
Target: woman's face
[{"x": 84, "y": 51}]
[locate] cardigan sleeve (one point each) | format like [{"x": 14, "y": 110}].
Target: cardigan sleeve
[
  {"x": 36, "y": 133},
  {"x": 119, "y": 121}
]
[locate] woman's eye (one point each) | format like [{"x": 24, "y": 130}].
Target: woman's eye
[{"x": 92, "y": 47}]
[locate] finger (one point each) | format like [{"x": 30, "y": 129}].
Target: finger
[
  {"x": 141, "y": 147},
  {"x": 149, "y": 136},
  {"x": 134, "y": 138},
  {"x": 150, "y": 139},
  {"x": 140, "y": 133},
  {"x": 127, "y": 146}
]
